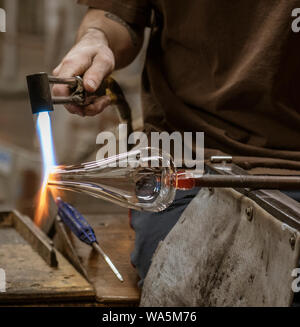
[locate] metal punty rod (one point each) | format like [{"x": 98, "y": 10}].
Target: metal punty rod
[{"x": 245, "y": 181}]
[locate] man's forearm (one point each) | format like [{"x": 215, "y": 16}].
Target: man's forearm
[
  {"x": 104, "y": 43},
  {"x": 124, "y": 40}
]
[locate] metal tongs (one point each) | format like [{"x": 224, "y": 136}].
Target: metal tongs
[{"x": 82, "y": 98}]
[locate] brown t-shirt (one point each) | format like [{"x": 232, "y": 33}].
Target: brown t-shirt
[{"x": 227, "y": 68}]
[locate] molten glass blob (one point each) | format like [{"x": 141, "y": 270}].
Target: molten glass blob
[{"x": 143, "y": 179}]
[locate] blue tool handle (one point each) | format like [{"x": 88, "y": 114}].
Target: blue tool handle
[{"x": 76, "y": 222}]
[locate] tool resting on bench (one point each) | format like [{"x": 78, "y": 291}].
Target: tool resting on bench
[{"x": 83, "y": 230}]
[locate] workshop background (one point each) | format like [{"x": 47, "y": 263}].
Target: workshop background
[{"x": 39, "y": 33}]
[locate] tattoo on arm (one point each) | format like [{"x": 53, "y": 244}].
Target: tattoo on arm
[{"x": 132, "y": 33}]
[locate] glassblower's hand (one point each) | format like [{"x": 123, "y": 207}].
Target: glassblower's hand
[{"x": 93, "y": 59}]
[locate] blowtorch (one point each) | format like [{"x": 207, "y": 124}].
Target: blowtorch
[{"x": 42, "y": 100}]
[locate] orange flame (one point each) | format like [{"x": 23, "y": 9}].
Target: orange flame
[{"x": 42, "y": 210}]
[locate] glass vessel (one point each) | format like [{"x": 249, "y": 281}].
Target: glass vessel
[{"x": 142, "y": 179}]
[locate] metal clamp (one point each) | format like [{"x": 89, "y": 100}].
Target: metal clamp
[{"x": 221, "y": 159}]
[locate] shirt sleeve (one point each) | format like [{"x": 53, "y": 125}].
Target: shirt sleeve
[{"x": 137, "y": 12}]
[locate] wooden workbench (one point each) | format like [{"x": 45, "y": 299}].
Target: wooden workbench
[{"x": 30, "y": 281}]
